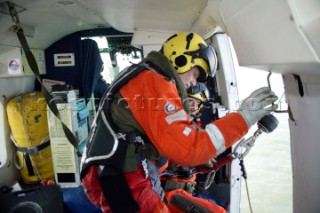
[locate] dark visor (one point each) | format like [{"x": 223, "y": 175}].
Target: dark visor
[{"x": 208, "y": 54}]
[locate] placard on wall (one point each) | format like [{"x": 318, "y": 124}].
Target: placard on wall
[{"x": 63, "y": 59}]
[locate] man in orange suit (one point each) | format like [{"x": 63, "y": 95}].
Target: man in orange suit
[{"x": 143, "y": 121}]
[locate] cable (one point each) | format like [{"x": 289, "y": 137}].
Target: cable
[
  {"x": 249, "y": 200},
  {"x": 244, "y": 175}
]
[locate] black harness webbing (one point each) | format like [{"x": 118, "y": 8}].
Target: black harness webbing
[
  {"x": 116, "y": 190},
  {"x": 34, "y": 149},
  {"x": 112, "y": 178},
  {"x": 31, "y": 150}
]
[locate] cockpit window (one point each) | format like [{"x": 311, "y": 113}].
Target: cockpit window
[{"x": 116, "y": 53}]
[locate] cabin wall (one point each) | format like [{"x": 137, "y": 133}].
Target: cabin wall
[
  {"x": 15, "y": 78},
  {"x": 69, "y": 73},
  {"x": 274, "y": 35},
  {"x": 24, "y": 81},
  {"x": 150, "y": 40},
  {"x": 302, "y": 95},
  {"x": 77, "y": 73}
]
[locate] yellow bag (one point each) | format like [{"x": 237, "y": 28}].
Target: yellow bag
[{"x": 27, "y": 116}]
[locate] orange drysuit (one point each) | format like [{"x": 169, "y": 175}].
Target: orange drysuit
[{"x": 156, "y": 106}]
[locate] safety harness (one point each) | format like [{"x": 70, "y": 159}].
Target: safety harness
[
  {"x": 117, "y": 143},
  {"x": 117, "y": 152},
  {"x": 109, "y": 151}
]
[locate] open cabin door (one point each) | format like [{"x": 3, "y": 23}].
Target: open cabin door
[{"x": 224, "y": 98}]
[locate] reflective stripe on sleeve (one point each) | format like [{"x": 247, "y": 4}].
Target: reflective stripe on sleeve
[
  {"x": 178, "y": 116},
  {"x": 216, "y": 138}
]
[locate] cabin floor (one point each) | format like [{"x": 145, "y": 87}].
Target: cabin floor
[{"x": 29, "y": 197}]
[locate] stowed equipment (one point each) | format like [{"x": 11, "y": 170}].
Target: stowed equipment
[{"x": 27, "y": 116}]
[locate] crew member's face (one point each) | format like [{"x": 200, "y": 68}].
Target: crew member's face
[
  {"x": 193, "y": 105},
  {"x": 190, "y": 78}
]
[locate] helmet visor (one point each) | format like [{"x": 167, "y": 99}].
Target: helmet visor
[{"x": 207, "y": 53}]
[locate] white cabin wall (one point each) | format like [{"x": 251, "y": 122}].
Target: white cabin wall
[
  {"x": 10, "y": 85},
  {"x": 304, "y": 125},
  {"x": 150, "y": 39},
  {"x": 209, "y": 20},
  {"x": 277, "y": 35}
]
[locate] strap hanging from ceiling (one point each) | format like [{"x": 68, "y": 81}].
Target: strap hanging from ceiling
[{"x": 33, "y": 65}]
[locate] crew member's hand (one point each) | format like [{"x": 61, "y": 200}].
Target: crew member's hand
[{"x": 257, "y": 105}]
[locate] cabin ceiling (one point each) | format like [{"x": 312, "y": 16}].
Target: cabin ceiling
[
  {"x": 76, "y": 15},
  {"x": 277, "y": 35}
]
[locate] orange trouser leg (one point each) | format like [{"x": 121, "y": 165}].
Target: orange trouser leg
[
  {"x": 207, "y": 204},
  {"x": 140, "y": 187}
]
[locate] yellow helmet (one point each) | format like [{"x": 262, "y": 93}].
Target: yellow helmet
[
  {"x": 187, "y": 50},
  {"x": 199, "y": 92}
]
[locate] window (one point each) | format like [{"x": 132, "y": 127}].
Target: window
[{"x": 116, "y": 53}]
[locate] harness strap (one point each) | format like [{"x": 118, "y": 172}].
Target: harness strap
[
  {"x": 150, "y": 169},
  {"x": 27, "y": 151},
  {"x": 28, "y": 164},
  {"x": 133, "y": 138},
  {"x": 33, "y": 149},
  {"x": 161, "y": 161},
  {"x": 114, "y": 184},
  {"x": 187, "y": 186},
  {"x": 119, "y": 154},
  {"x": 116, "y": 190}
]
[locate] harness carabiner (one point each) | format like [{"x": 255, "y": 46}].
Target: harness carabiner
[
  {"x": 266, "y": 124},
  {"x": 247, "y": 144}
]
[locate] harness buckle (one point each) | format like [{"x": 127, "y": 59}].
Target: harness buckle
[
  {"x": 190, "y": 186},
  {"x": 139, "y": 139},
  {"x": 130, "y": 137},
  {"x": 32, "y": 150}
]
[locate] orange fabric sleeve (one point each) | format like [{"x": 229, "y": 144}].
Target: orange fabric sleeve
[
  {"x": 205, "y": 203},
  {"x": 157, "y": 107},
  {"x": 238, "y": 128}
]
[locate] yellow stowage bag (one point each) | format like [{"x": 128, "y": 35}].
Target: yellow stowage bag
[{"x": 27, "y": 116}]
